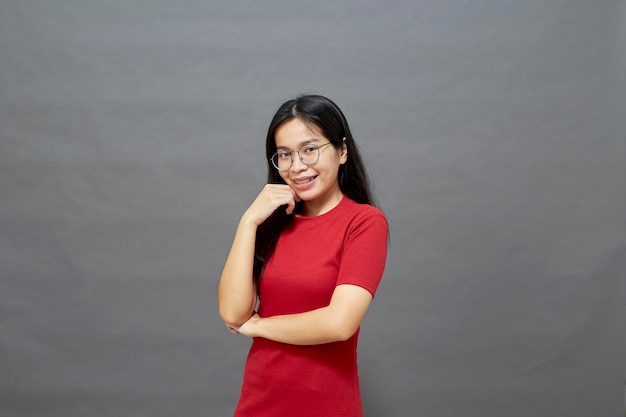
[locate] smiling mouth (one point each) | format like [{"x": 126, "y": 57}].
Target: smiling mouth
[{"x": 305, "y": 181}]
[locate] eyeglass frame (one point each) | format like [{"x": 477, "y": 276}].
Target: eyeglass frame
[{"x": 319, "y": 153}]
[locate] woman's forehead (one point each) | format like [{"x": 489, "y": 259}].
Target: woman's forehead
[{"x": 295, "y": 133}]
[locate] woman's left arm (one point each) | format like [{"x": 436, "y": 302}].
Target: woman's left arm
[
  {"x": 362, "y": 265},
  {"x": 336, "y": 322}
]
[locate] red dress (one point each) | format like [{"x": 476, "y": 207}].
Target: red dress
[{"x": 347, "y": 245}]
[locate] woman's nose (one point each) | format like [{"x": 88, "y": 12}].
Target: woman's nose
[{"x": 297, "y": 164}]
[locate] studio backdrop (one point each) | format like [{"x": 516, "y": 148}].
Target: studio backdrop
[{"x": 132, "y": 140}]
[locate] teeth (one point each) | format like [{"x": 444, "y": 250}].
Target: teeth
[{"x": 305, "y": 181}]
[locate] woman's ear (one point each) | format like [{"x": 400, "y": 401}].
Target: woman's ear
[{"x": 344, "y": 152}]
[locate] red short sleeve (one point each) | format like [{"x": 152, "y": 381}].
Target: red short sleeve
[{"x": 365, "y": 250}]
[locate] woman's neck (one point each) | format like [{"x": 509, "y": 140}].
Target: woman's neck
[{"x": 318, "y": 207}]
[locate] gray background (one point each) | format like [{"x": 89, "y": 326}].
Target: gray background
[{"x": 132, "y": 139}]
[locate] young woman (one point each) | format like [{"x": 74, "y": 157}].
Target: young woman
[{"x": 312, "y": 249}]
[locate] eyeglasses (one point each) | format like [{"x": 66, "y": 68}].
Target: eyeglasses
[{"x": 308, "y": 154}]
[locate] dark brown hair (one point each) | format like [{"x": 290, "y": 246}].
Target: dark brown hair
[{"x": 323, "y": 115}]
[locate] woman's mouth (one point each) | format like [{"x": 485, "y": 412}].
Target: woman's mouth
[{"x": 304, "y": 181}]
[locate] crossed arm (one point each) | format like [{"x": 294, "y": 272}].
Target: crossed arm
[
  {"x": 237, "y": 296},
  {"x": 336, "y": 322}
]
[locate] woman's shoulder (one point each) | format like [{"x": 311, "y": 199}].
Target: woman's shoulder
[{"x": 363, "y": 211}]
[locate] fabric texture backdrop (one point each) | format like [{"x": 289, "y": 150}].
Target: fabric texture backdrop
[{"x": 132, "y": 139}]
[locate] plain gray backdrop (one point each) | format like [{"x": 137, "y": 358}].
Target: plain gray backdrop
[{"x": 132, "y": 139}]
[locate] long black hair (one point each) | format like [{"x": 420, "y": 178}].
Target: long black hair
[{"x": 323, "y": 115}]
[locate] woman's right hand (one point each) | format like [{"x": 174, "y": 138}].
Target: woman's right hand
[{"x": 271, "y": 197}]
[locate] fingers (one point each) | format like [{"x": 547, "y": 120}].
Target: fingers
[
  {"x": 271, "y": 198},
  {"x": 232, "y": 329},
  {"x": 280, "y": 195},
  {"x": 291, "y": 206},
  {"x": 249, "y": 327}
]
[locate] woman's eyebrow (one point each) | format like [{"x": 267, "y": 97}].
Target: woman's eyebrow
[{"x": 306, "y": 142}]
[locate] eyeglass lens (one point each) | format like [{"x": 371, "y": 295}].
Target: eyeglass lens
[{"x": 308, "y": 154}]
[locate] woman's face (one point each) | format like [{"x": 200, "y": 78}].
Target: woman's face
[{"x": 317, "y": 184}]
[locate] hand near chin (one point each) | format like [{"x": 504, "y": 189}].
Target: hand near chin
[{"x": 269, "y": 199}]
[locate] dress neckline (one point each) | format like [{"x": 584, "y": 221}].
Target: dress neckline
[{"x": 329, "y": 213}]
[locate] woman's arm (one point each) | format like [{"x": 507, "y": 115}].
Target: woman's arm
[
  {"x": 362, "y": 265},
  {"x": 336, "y": 322},
  {"x": 236, "y": 291}
]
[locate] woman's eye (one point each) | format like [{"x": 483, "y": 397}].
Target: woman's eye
[
  {"x": 310, "y": 149},
  {"x": 284, "y": 155}
]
